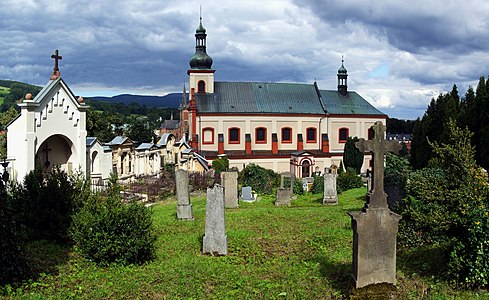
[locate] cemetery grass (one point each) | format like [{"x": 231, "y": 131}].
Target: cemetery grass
[{"x": 298, "y": 252}]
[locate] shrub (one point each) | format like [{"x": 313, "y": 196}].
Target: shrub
[
  {"x": 348, "y": 180},
  {"x": 318, "y": 185},
  {"x": 260, "y": 179},
  {"x": 12, "y": 258},
  {"x": 221, "y": 164},
  {"x": 107, "y": 231},
  {"x": 45, "y": 203}
]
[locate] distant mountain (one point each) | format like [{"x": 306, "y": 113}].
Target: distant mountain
[{"x": 171, "y": 100}]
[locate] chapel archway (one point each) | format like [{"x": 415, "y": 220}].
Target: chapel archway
[{"x": 57, "y": 150}]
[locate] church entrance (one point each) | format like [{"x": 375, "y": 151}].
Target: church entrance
[{"x": 57, "y": 150}]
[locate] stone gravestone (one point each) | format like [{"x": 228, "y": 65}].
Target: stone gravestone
[
  {"x": 375, "y": 228},
  {"x": 230, "y": 182},
  {"x": 246, "y": 194},
  {"x": 184, "y": 208},
  {"x": 330, "y": 195},
  {"x": 215, "y": 238},
  {"x": 284, "y": 195}
]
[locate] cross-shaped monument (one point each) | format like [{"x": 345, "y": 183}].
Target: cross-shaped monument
[
  {"x": 375, "y": 228},
  {"x": 379, "y": 147},
  {"x": 56, "y": 58}
]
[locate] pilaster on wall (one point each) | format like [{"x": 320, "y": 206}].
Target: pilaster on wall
[
  {"x": 248, "y": 143},
  {"x": 300, "y": 142},
  {"x": 274, "y": 143},
  {"x": 324, "y": 143},
  {"x": 220, "y": 143}
]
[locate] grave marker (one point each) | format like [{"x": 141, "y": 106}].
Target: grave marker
[
  {"x": 184, "y": 208},
  {"x": 215, "y": 239},
  {"x": 230, "y": 182},
  {"x": 375, "y": 228},
  {"x": 330, "y": 194},
  {"x": 284, "y": 195}
]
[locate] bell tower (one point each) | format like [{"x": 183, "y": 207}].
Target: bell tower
[
  {"x": 342, "y": 78},
  {"x": 200, "y": 72}
]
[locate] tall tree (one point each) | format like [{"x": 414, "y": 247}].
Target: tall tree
[{"x": 352, "y": 157}]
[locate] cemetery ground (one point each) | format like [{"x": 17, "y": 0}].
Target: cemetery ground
[{"x": 298, "y": 252}]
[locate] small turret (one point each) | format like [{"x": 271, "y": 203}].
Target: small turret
[{"x": 342, "y": 78}]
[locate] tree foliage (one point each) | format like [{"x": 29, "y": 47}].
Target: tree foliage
[
  {"x": 352, "y": 156},
  {"x": 447, "y": 202}
]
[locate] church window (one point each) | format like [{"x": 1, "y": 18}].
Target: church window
[
  {"x": 311, "y": 135},
  {"x": 208, "y": 135},
  {"x": 201, "y": 86},
  {"x": 233, "y": 135},
  {"x": 371, "y": 133},
  {"x": 261, "y": 135},
  {"x": 286, "y": 135},
  {"x": 344, "y": 133}
]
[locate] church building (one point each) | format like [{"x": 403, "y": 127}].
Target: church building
[{"x": 286, "y": 127}]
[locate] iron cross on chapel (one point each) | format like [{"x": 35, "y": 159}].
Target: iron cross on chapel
[
  {"x": 57, "y": 58},
  {"x": 379, "y": 147}
]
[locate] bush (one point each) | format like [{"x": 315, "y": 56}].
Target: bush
[
  {"x": 352, "y": 156},
  {"x": 221, "y": 164},
  {"x": 318, "y": 185},
  {"x": 260, "y": 179},
  {"x": 107, "y": 231},
  {"x": 348, "y": 180},
  {"x": 45, "y": 202},
  {"x": 12, "y": 259}
]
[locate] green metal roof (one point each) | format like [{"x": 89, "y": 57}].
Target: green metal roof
[
  {"x": 260, "y": 97},
  {"x": 280, "y": 98},
  {"x": 352, "y": 104}
]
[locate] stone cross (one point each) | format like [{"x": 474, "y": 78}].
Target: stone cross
[
  {"x": 379, "y": 147},
  {"x": 57, "y": 58}
]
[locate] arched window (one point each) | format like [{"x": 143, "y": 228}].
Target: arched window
[
  {"x": 306, "y": 168},
  {"x": 260, "y": 135},
  {"x": 201, "y": 86},
  {"x": 286, "y": 135},
  {"x": 233, "y": 135},
  {"x": 343, "y": 135},
  {"x": 311, "y": 135},
  {"x": 207, "y": 135}
]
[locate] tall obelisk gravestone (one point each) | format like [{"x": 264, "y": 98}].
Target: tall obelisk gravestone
[{"x": 375, "y": 228}]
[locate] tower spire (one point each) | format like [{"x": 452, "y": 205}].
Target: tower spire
[
  {"x": 342, "y": 79},
  {"x": 201, "y": 60}
]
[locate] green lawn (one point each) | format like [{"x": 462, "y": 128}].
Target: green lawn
[{"x": 301, "y": 252}]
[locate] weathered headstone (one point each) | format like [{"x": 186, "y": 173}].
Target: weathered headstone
[
  {"x": 230, "y": 182},
  {"x": 375, "y": 228},
  {"x": 246, "y": 194},
  {"x": 330, "y": 194},
  {"x": 284, "y": 195},
  {"x": 184, "y": 208},
  {"x": 215, "y": 238}
]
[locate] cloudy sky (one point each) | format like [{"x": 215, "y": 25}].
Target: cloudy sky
[{"x": 399, "y": 54}]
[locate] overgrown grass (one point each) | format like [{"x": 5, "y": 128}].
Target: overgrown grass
[{"x": 298, "y": 252}]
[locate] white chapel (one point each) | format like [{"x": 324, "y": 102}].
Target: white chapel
[{"x": 49, "y": 131}]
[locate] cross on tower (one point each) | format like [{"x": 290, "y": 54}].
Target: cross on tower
[
  {"x": 57, "y": 58},
  {"x": 379, "y": 147}
]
